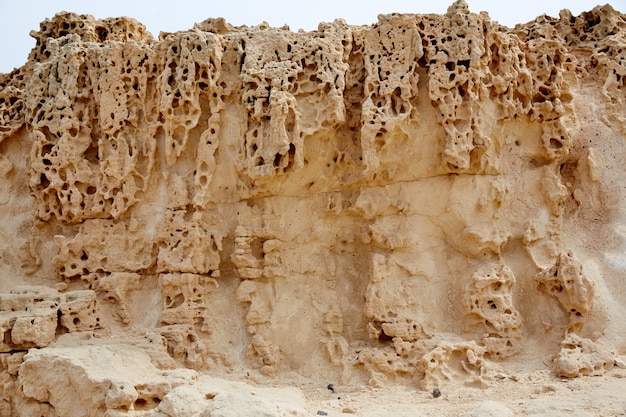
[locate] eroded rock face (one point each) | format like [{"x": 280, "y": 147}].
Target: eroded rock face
[
  {"x": 416, "y": 201},
  {"x": 33, "y": 316},
  {"x": 115, "y": 377}
]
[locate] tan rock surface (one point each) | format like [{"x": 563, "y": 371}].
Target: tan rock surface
[{"x": 432, "y": 201}]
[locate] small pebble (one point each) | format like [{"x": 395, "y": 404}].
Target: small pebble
[
  {"x": 331, "y": 387},
  {"x": 436, "y": 393},
  {"x": 321, "y": 413}
]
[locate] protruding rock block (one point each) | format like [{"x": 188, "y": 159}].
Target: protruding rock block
[
  {"x": 489, "y": 305},
  {"x": 582, "y": 357},
  {"x": 30, "y": 316},
  {"x": 568, "y": 283},
  {"x": 87, "y": 380}
]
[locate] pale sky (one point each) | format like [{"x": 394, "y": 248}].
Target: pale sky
[{"x": 19, "y": 17}]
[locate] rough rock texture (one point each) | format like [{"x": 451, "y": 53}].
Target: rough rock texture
[
  {"x": 99, "y": 378},
  {"x": 30, "y": 316},
  {"x": 420, "y": 202}
]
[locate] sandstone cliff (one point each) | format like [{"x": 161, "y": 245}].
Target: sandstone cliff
[{"x": 424, "y": 201}]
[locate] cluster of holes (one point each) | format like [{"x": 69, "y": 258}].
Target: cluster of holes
[{"x": 142, "y": 404}]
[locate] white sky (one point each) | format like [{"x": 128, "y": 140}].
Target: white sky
[{"x": 19, "y": 17}]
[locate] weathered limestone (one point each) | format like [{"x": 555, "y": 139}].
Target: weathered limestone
[
  {"x": 567, "y": 282},
  {"x": 416, "y": 202},
  {"x": 106, "y": 377},
  {"x": 210, "y": 396},
  {"x": 582, "y": 357},
  {"x": 489, "y": 303},
  {"x": 33, "y": 316}
]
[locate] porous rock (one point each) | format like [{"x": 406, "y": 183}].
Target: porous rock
[
  {"x": 582, "y": 357},
  {"x": 407, "y": 202},
  {"x": 32, "y": 316}
]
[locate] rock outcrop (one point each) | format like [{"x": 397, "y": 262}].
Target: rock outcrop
[{"x": 418, "y": 201}]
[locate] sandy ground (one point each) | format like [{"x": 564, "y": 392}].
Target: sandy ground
[
  {"x": 524, "y": 393},
  {"x": 537, "y": 393}
]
